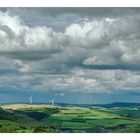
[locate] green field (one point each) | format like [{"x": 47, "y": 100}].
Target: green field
[{"x": 70, "y": 120}]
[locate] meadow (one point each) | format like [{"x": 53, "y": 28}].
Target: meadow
[{"x": 70, "y": 120}]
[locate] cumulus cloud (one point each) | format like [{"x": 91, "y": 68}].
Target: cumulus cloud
[
  {"x": 91, "y": 56},
  {"x": 19, "y": 40},
  {"x": 90, "y": 61}
]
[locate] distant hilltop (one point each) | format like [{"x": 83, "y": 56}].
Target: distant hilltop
[
  {"x": 19, "y": 106},
  {"x": 45, "y": 105}
]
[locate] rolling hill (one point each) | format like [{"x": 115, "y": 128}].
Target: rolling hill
[{"x": 66, "y": 118}]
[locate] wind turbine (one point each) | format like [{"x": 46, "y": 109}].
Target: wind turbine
[
  {"x": 52, "y": 102},
  {"x": 30, "y": 99}
]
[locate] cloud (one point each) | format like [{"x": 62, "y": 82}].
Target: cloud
[
  {"x": 90, "y": 54},
  {"x": 22, "y": 42},
  {"x": 78, "y": 81},
  {"x": 90, "y": 61}
]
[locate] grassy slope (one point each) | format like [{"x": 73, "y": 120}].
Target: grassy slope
[{"x": 69, "y": 120}]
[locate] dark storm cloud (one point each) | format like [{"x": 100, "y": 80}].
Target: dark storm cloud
[
  {"x": 59, "y": 18},
  {"x": 83, "y": 11}
]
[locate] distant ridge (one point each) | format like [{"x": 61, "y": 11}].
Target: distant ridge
[
  {"x": 109, "y": 105},
  {"x": 120, "y": 104}
]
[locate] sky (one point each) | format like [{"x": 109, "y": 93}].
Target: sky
[{"x": 75, "y": 55}]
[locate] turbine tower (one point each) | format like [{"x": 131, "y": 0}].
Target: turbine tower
[
  {"x": 30, "y": 99},
  {"x": 52, "y": 102}
]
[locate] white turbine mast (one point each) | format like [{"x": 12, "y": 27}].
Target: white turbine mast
[
  {"x": 52, "y": 102},
  {"x": 30, "y": 99}
]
